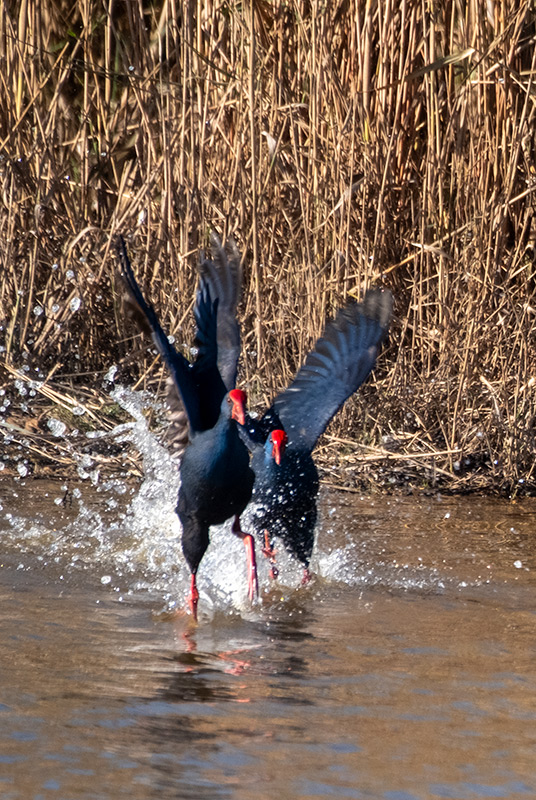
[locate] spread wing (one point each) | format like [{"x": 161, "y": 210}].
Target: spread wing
[
  {"x": 341, "y": 360},
  {"x": 199, "y": 385},
  {"x": 223, "y": 276}
]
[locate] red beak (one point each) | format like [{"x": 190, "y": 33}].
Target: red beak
[
  {"x": 238, "y": 399},
  {"x": 279, "y": 442}
]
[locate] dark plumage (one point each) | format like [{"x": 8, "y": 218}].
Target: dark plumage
[
  {"x": 223, "y": 278},
  {"x": 285, "y": 493},
  {"x": 216, "y": 479}
]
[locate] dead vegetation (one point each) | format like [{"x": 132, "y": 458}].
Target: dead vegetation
[{"x": 342, "y": 145}]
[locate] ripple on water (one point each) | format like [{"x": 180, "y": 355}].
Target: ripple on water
[{"x": 405, "y": 669}]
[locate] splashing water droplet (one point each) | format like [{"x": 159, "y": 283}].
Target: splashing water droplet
[
  {"x": 56, "y": 426},
  {"x": 110, "y": 375}
]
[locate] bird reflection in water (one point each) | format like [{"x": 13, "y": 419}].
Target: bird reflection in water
[{"x": 267, "y": 647}]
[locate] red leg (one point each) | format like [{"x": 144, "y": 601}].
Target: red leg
[
  {"x": 269, "y": 552},
  {"x": 253, "y": 584},
  {"x": 306, "y": 576},
  {"x": 249, "y": 544},
  {"x": 194, "y": 598}
]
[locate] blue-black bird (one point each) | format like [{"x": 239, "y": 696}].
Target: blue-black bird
[
  {"x": 216, "y": 478},
  {"x": 286, "y": 477}
]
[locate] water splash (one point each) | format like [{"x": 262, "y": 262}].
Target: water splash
[{"x": 128, "y": 537}]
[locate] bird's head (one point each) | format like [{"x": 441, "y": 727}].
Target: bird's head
[
  {"x": 278, "y": 439},
  {"x": 237, "y": 399}
]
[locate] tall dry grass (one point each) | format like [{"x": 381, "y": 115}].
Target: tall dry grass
[{"x": 342, "y": 144}]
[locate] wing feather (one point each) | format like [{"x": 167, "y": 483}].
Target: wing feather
[
  {"x": 199, "y": 385},
  {"x": 223, "y": 275},
  {"x": 341, "y": 360}
]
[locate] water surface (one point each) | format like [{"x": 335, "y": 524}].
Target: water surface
[{"x": 404, "y": 670}]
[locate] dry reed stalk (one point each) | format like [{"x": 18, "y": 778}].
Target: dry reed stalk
[{"x": 340, "y": 145}]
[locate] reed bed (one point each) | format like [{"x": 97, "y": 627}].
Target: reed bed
[{"x": 342, "y": 144}]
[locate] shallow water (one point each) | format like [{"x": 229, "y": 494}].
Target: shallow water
[{"x": 404, "y": 670}]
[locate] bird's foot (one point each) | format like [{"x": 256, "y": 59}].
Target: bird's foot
[
  {"x": 306, "y": 577},
  {"x": 268, "y": 548},
  {"x": 249, "y": 544},
  {"x": 270, "y": 553},
  {"x": 194, "y": 598}
]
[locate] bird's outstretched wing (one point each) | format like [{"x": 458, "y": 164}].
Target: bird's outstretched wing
[
  {"x": 199, "y": 385},
  {"x": 223, "y": 276},
  {"x": 341, "y": 360},
  {"x": 205, "y": 375}
]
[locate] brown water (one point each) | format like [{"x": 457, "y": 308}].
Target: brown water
[{"x": 405, "y": 670}]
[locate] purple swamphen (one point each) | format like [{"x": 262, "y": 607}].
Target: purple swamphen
[
  {"x": 216, "y": 479},
  {"x": 286, "y": 478}
]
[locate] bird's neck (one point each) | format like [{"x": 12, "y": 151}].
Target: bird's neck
[
  {"x": 269, "y": 459},
  {"x": 268, "y": 452},
  {"x": 224, "y": 433}
]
